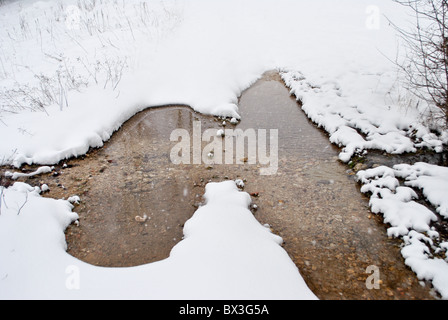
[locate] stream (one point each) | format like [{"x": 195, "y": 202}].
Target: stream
[{"x": 135, "y": 200}]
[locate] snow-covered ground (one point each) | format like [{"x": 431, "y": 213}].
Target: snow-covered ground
[
  {"x": 93, "y": 67},
  {"x": 225, "y": 254},
  {"x": 72, "y": 72},
  {"x": 410, "y": 220},
  {"x": 361, "y": 123}
]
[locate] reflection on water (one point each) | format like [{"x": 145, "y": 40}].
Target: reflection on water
[
  {"x": 136, "y": 207},
  {"x": 135, "y": 201}
]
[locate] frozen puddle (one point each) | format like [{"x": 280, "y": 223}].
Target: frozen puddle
[{"x": 135, "y": 201}]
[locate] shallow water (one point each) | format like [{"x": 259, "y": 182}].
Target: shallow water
[{"x": 311, "y": 201}]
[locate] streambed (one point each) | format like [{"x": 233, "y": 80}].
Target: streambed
[{"x": 135, "y": 200}]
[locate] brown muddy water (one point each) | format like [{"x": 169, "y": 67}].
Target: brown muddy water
[{"x": 135, "y": 201}]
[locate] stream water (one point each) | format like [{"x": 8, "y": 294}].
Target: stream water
[{"x": 135, "y": 200}]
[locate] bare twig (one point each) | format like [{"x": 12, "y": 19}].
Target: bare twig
[
  {"x": 26, "y": 200},
  {"x": 425, "y": 65},
  {"x": 1, "y": 198}
]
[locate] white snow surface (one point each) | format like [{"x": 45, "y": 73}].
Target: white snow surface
[
  {"x": 410, "y": 220},
  {"x": 200, "y": 53},
  {"x": 96, "y": 69},
  {"x": 359, "y": 123},
  {"x": 225, "y": 254},
  {"x": 16, "y": 175},
  {"x": 431, "y": 179}
]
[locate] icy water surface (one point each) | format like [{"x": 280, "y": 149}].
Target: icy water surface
[{"x": 135, "y": 200}]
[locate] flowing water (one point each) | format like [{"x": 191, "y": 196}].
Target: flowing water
[{"x": 135, "y": 200}]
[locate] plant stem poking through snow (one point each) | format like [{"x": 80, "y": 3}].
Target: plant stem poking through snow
[
  {"x": 24, "y": 203},
  {"x": 1, "y": 198}
]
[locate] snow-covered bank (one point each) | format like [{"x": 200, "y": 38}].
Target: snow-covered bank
[
  {"x": 95, "y": 68},
  {"x": 424, "y": 251},
  {"x": 358, "y": 124},
  {"x": 225, "y": 254}
]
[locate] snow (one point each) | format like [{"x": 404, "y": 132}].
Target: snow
[
  {"x": 17, "y": 175},
  {"x": 74, "y": 199},
  {"x": 94, "y": 67},
  {"x": 222, "y": 237},
  {"x": 239, "y": 183},
  {"x": 360, "y": 125},
  {"x": 109, "y": 70},
  {"x": 409, "y": 220},
  {"x": 220, "y": 133},
  {"x": 431, "y": 179},
  {"x": 394, "y": 202},
  {"x": 416, "y": 256},
  {"x": 233, "y": 121}
]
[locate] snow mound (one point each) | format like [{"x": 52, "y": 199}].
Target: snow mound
[
  {"x": 410, "y": 220},
  {"x": 431, "y": 179},
  {"x": 225, "y": 254},
  {"x": 356, "y": 124},
  {"x": 17, "y": 175}
]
